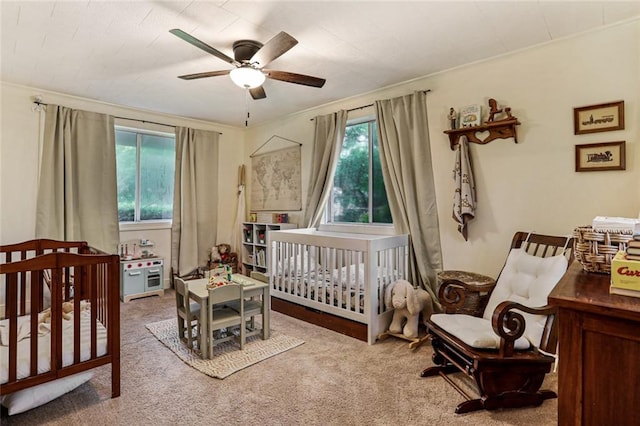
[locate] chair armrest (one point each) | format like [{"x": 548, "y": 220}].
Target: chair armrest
[
  {"x": 510, "y": 324},
  {"x": 455, "y": 294}
]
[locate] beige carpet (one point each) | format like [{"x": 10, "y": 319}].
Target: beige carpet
[
  {"x": 330, "y": 380},
  {"x": 228, "y": 357}
]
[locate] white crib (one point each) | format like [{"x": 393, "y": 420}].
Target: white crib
[{"x": 343, "y": 274}]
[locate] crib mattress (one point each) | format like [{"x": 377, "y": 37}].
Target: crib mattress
[{"x": 44, "y": 344}]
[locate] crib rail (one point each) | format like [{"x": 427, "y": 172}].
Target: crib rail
[{"x": 30, "y": 249}]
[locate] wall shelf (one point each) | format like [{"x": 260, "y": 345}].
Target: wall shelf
[{"x": 485, "y": 133}]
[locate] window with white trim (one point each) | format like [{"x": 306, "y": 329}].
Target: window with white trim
[
  {"x": 145, "y": 162},
  {"x": 359, "y": 194}
]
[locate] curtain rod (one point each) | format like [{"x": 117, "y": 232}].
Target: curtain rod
[
  {"x": 368, "y": 105},
  {"x": 126, "y": 118}
]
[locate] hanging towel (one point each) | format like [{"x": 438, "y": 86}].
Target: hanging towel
[{"x": 464, "y": 197}]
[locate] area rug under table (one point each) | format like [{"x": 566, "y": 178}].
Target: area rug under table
[{"x": 228, "y": 358}]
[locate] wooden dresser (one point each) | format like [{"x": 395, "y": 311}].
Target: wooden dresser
[{"x": 599, "y": 351}]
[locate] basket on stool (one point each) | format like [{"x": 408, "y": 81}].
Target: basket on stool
[{"x": 595, "y": 249}]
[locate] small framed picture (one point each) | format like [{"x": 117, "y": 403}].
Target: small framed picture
[
  {"x": 597, "y": 157},
  {"x": 470, "y": 116},
  {"x": 598, "y": 118}
]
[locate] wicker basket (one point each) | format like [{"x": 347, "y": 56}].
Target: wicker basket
[{"x": 595, "y": 249}]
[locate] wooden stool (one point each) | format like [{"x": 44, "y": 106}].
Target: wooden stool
[{"x": 475, "y": 302}]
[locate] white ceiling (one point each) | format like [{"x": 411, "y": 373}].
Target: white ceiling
[{"x": 121, "y": 52}]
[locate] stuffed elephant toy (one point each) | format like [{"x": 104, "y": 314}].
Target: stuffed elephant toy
[{"x": 408, "y": 303}]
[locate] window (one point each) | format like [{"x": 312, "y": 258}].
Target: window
[
  {"x": 358, "y": 194},
  {"x": 145, "y": 165}
]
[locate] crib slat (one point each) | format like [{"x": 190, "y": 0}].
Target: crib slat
[
  {"x": 11, "y": 290},
  {"x": 36, "y": 302},
  {"x": 56, "y": 319},
  {"x": 78, "y": 283}
]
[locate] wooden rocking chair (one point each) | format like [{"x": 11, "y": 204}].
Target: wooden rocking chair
[{"x": 509, "y": 350}]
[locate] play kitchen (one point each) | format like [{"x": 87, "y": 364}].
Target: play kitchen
[{"x": 141, "y": 271}]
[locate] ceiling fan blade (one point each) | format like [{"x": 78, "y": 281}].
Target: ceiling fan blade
[
  {"x": 291, "y": 77},
  {"x": 202, "y": 45},
  {"x": 204, "y": 74},
  {"x": 273, "y": 49},
  {"x": 258, "y": 93}
]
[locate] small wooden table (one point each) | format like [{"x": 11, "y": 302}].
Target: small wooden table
[{"x": 198, "y": 292}]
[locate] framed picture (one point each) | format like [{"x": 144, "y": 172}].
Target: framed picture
[
  {"x": 598, "y": 118},
  {"x": 597, "y": 157},
  {"x": 470, "y": 116}
]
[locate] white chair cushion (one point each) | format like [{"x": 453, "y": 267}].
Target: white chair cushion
[
  {"x": 527, "y": 280},
  {"x": 474, "y": 331}
]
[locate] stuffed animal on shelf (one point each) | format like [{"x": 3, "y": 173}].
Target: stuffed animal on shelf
[{"x": 408, "y": 302}]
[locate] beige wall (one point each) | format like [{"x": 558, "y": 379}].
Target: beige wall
[
  {"x": 528, "y": 186},
  {"x": 531, "y": 185},
  {"x": 19, "y": 158}
]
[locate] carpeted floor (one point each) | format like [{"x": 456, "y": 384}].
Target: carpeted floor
[
  {"x": 228, "y": 358},
  {"x": 329, "y": 380}
]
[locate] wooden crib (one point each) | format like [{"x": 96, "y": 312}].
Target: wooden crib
[
  {"x": 75, "y": 275},
  {"x": 336, "y": 280}
]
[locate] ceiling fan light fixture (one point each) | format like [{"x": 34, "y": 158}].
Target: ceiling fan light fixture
[{"x": 247, "y": 77}]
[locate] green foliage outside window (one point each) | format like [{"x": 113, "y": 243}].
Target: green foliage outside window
[
  {"x": 358, "y": 178},
  {"x": 145, "y": 166}
]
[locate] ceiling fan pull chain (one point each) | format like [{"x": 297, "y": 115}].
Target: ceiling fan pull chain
[{"x": 246, "y": 98}]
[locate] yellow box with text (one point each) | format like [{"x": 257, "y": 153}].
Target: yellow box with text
[{"x": 625, "y": 273}]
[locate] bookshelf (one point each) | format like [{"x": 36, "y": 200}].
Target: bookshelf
[{"x": 254, "y": 244}]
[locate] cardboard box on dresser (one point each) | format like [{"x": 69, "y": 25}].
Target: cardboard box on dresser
[{"x": 625, "y": 270}]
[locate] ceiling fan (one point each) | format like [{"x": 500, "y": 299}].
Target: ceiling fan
[{"x": 250, "y": 58}]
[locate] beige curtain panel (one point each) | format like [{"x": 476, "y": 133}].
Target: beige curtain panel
[
  {"x": 195, "y": 199},
  {"x": 77, "y": 191},
  {"x": 327, "y": 143},
  {"x": 405, "y": 156}
]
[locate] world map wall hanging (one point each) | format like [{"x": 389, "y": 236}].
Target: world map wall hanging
[{"x": 276, "y": 178}]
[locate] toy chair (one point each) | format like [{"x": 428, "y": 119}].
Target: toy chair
[
  {"x": 187, "y": 311},
  {"x": 223, "y": 317}
]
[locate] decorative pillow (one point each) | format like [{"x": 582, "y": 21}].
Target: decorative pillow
[
  {"x": 527, "y": 280},
  {"x": 35, "y": 396}
]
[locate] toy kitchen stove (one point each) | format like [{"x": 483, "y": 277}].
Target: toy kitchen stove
[{"x": 141, "y": 278}]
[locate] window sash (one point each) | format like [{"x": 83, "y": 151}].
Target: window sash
[
  {"x": 138, "y": 198},
  {"x": 371, "y": 140}
]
